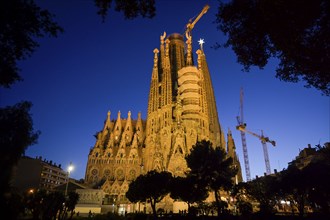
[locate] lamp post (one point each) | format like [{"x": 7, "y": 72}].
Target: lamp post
[{"x": 70, "y": 168}]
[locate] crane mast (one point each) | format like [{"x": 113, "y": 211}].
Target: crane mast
[
  {"x": 263, "y": 139},
  {"x": 265, "y": 149},
  {"x": 241, "y": 124}
]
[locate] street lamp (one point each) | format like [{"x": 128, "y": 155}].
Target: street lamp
[{"x": 70, "y": 168}]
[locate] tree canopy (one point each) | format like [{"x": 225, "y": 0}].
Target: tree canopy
[
  {"x": 130, "y": 8},
  {"x": 212, "y": 168},
  {"x": 22, "y": 22},
  {"x": 50, "y": 205},
  {"x": 296, "y": 32},
  {"x": 152, "y": 186},
  {"x": 16, "y": 134},
  {"x": 264, "y": 190},
  {"x": 187, "y": 190},
  {"x": 304, "y": 183}
]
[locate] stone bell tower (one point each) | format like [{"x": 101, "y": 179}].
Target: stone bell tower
[{"x": 181, "y": 106}]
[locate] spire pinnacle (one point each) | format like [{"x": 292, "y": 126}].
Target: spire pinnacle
[
  {"x": 156, "y": 51},
  {"x": 201, "y": 42},
  {"x": 162, "y": 37}
]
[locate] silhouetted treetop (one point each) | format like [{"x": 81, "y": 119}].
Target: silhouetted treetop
[
  {"x": 130, "y": 8},
  {"x": 22, "y": 22},
  {"x": 16, "y": 135},
  {"x": 294, "y": 31},
  {"x": 152, "y": 186}
]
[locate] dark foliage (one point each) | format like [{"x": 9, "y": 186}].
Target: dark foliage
[
  {"x": 187, "y": 190},
  {"x": 303, "y": 184},
  {"x": 264, "y": 190},
  {"x": 130, "y": 8},
  {"x": 70, "y": 204},
  {"x": 16, "y": 134},
  {"x": 212, "y": 168},
  {"x": 50, "y": 205},
  {"x": 21, "y": 23},
  {"x": 294, "y": 31},
  {"x": 151, "y": 187}
]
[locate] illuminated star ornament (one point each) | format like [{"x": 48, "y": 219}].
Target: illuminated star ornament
[{"x": 201, "y": 42}]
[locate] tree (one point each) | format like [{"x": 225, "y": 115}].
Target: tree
[
  {"x": 212, "y": 168},
  {"x": 15, "y": 207},
  {"x": 152, "y": 187},
  {"x": 294, "y": 186},
  {"x": 33, "y": 202},
  {"x": 243, "y": 199},
  {"x": 317, "y": 177},
  {"x": 21, "y": 23},
  {"x": 260, "y": 29},
  {"x": 51, "y": 204},
  {"x": 16, "y": 134},
  {"x": 70, "y": 204},
  {"x": 264, "y": 191},
  {"x": 130, "y": 8},
  {"x": 187, "y": 190}
]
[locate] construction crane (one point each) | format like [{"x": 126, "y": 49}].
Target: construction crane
[
  {"x": 264, "y": 140},
  {"x": 245, "y": 151},
  {"x": 192, "y": 22}
]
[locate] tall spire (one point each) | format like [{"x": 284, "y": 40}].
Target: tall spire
[
  {"x": 153, "y": 93},
  {"x": 231, "y": 152},
  {"x": 230, "y": 144},
  {"x": 162, "y": 50},
  {"x": 215, "y": 128},
  {"x": 166, "y": 85},
  {"x": 203, "y": 99}
]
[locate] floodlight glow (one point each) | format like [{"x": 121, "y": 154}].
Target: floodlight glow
[{"x": 70, "y": 168}]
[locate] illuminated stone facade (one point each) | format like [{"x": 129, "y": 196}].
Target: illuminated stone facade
[{"x": 181, "y": 111}]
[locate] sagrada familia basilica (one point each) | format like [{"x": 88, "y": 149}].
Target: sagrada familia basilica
[{"x": 181, "y": 111}]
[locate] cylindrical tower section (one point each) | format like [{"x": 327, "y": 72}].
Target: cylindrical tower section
[{"x": 188, "y": 78}]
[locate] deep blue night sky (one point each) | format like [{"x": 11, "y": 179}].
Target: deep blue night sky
[{"x": 93, "y": 67}]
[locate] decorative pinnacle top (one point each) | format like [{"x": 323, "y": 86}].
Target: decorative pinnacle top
[
  {"x": 156, "y": 51},
  {"x": 162, "y": 37},
  {"x": 201, "y": 42}
]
